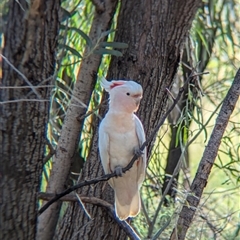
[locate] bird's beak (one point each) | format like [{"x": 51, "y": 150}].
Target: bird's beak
[{"x": 137, "y": 101}]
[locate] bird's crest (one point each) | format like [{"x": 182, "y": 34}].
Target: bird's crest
[{"x": 110, "y": 85}]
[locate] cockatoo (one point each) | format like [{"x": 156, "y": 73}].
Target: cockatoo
[{"x": 120, "y": 136}]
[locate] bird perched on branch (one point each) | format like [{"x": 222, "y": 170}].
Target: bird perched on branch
[{"x": 120, "y": 136}]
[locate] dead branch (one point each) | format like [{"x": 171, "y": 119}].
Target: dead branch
[{"x": 200, "y": 181}]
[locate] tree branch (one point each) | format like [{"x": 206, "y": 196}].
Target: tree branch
[
  {"x": 51, "y": 152},
  {"x": 106, "y": 177},
  {"x": 98, "y": 202},
  {"x": 207, "y": 161}
]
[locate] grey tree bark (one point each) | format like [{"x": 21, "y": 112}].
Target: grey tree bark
[
  {"x": 72, "y": 127},
  {"x": 200, "y": 181},
  {"x": 155, "y": 31},
  {"x": 30, "y": 37}
]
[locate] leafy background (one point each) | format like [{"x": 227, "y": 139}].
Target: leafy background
[{"x": 213, "y": 46}]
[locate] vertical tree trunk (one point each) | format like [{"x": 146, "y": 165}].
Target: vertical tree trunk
[
  {"x": 155, "y": 31},
  {"x": 30, "y": 42},
  {"x": 72, "y": 126}
]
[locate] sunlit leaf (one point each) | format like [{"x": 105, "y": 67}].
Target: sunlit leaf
[
  {"x": 204, "y": 41},
  {"x": 70, "y": 49},
  {"x": 84, "y": 35}
]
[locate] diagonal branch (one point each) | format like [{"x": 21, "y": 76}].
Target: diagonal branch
[
  {"x": 106, "y": 177},
  {"x": 200, "y": 181},
  {"x": 98, "y": 202}
]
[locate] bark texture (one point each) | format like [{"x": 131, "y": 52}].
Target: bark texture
[
  {"x": 72, "y": 127},
  {"x": 155, "y": 31},
  {"x": 207, "y": 161},
  {"x": 30, "y": 42}
]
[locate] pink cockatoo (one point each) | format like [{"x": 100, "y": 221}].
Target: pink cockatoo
[{"x": 120, "y": 136}]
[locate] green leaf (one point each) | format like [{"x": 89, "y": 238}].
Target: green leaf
[
  {"x": 203, "y": 40},
  {"x": 65, "y": 14},
  {"x": 84, "y": 35},
  {"x": 70, "y": 49},
  {"x": 63, "y": 27},
  {"x": 114, "y": 44},
  {"x": 104, "y": 34},
  {"x": 103, "y": 51},
  {"x": 178, "y": 134}
]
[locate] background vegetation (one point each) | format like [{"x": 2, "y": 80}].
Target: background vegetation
[{"x": 212, "y": 47}]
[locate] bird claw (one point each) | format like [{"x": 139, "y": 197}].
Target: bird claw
[
  {"x": 118, "y": 171},
  {"x": 137, "y": 151}
]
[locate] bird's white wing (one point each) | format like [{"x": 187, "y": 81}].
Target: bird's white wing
[
  {"x": 103, "y": 144},
  {"x": 143, "y": 159}
]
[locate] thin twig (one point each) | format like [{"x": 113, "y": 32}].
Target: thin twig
[
  {"x": 20, "y": 87},
  {"x": 82, "y": 205},
  {"x": 79, "y": 118},
  {"x": 22, "y": 75},
  {"x": 52, "y": 151},
  {"x": 24, "y": 100},
  {"x": 145, "y": 212},
  {"x": 165, "y": 225}
]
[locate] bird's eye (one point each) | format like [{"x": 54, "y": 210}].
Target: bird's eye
[{"x": 128, "y": 93}]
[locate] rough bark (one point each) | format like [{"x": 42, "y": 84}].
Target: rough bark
[
  {"x": 155, "y": 32},
  {"x": 30, "y": 42},
  {"x": 207, "y": 161},
  {"x": 69, "y": 138}
]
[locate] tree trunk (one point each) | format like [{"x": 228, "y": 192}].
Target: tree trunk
[
  {"x": 72, "y": 126},
  {"x": 155, "y": 32},
  {"x": 28, "y": 60}
]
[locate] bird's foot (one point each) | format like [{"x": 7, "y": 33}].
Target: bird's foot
[
  {"x": 137, "y": 151},
  {"x": 118, "y": 171}
]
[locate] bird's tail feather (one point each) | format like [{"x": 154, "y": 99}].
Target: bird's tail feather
[
  {"x": 127, "y": 205},
  {"x": 122, "y": 211},
  {"x": 135, "y": 205}
]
